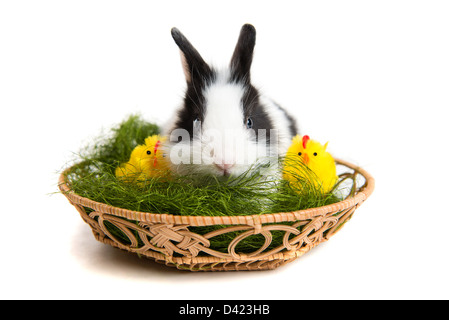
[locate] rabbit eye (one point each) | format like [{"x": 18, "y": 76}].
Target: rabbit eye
[
  {"x": 148, "y": 152},
  {"x": 249, "y": 123},
  {"x": 196, "y": 122}
]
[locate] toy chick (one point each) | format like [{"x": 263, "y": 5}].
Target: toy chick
[
  {"x": 306, "y": 152},
  {"x": 146, "y": 161}
]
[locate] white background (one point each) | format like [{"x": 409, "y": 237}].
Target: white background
[{"x": 372, "y": 77}]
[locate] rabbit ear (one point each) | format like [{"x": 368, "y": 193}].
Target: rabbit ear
[
  {"x": 243, "y": 54},
  {"x": 195, "y": 68}
]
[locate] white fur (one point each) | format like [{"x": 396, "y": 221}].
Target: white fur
[{"x": 224, "y": 138}]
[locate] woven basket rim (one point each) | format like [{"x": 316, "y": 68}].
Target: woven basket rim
[{"x": 252, "y": 220}]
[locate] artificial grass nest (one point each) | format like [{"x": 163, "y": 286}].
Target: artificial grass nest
[{"x": 93, "y": 177}]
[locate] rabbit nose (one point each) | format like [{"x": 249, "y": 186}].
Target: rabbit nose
[{"x": 225, "y": 167}]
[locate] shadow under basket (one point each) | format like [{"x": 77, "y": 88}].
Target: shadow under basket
[{"x": 169, "y": 239}]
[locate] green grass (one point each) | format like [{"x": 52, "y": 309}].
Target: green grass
[{"x": 93, "y": 177}]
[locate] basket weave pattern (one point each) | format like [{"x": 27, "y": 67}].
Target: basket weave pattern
[{"x": 166, "y": 238}]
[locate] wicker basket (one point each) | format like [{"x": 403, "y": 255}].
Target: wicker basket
[{"x": 166, "y": 238}]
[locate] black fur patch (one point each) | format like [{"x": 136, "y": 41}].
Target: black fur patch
[
  {"x": 194, "y": 103},
  {"x": 198, "y": 75},
  {"x": 242, "y": 57},
  {"x": 292, "y": 122},
  {"x": 196, "y": 66},
  {"x": 254, "y": 110}
]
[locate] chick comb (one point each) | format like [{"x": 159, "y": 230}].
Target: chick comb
[
  {"x": 158, "y": 143},
  {"x": 305, "y": 139},
  {"x": 155, "y": 151}
]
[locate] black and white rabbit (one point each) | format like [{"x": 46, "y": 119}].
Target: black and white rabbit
[{"x": 225, "y": 125}]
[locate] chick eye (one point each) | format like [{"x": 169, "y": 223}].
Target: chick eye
[
  {"x": 315, "y": 154},
  {"x": 148, "y": 152},
  {"x": 299, "y": 153},
  {"x": 249, "y": 123}
]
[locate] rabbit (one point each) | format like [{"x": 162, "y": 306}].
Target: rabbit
[{"x": 225, "y": 125}]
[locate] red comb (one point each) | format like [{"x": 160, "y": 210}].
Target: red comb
[
  {"x": 156, "y": 146},
  {"x": 155, "y": 150},
  {"x": 305, "y": 139}
]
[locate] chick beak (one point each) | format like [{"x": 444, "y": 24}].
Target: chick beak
[{"x": 306, "y": 158}]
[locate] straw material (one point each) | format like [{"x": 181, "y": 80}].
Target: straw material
[{"x": 167, "y": 239}]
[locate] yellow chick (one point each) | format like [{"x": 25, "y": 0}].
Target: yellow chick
[
  {"x": 304, "y": 151},
  {"x": 146, "y": 161}
]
